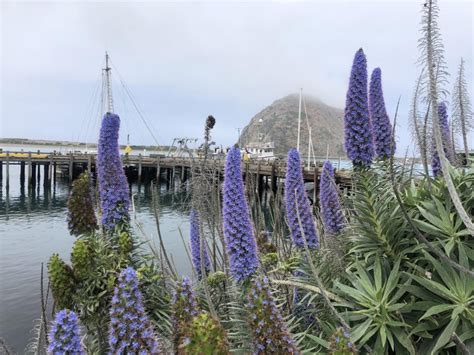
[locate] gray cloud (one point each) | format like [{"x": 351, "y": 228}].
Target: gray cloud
[{"x": 184, "y": 61}]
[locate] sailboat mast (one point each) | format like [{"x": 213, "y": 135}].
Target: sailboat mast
[
  {"x": 107, "y": 85},
  {"x": 299, "y": 123}
]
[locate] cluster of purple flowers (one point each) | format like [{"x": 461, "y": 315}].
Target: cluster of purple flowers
[
  {"x": 357, "y": 125},
  {"x": 331, "y": 212},
  {"x": 446, "y": 138},
  {"x": 341, "y": 343},
  {"x": 381, "y": 126},
  {"x": 184, "y": 310},
  {"x": 130, "y": 329},
  {"x": 113, "y": 186},
  {"x": 270, "y": 334},
  {"x": 196, "y": 245},
  {"x": 238, "y": 230},
  {"x": 64, "y": 335},
  {"x": 298, "y": 209}
]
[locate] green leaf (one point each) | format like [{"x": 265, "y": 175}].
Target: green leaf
[
  {"x": 437, "y": 309},
  {"x": 445, "y": 336},
  {"x": 360, "y": 330},
  {"x": 325, "y": 344}
]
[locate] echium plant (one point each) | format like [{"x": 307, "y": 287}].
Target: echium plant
[
  {"x": 64, "y": 336},
  {"x": 241, "y": 245},
  {"x": 196, "y": 251},
  {"x": 62, "y": 281},
  {"x": 298, "y": 210},
  {"x": 446, "y": 136},
  {"x": 113, "y": 187},
  {"x": 130, "y": 330},
  {"x": 357, "y": 125},
  {"x": 331, "y": 211},
  {"x": 81, "y": 217},
  {"x": 381, "y": 126},
  {"x": 270, "y": 334},
  {"x": 341, "y": 343},
  {"x": 184, "y": 310},
  {"x": 204, "y": 335},
  {"x": 462, "y": 113}
]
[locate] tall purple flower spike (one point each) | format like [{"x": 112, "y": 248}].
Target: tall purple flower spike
[
  {"x": 241, "y": 246},
  {"x": 381, "y": 126},
  {"x": 446, "y": 137},
  {"x": 196, "y": 245},
  {"x": 130, "y": 330},
  {"x": 331, "y": 212},
  {"x": 297, "y": 204},
  {"x": 270, "y": 334},
  {"x": 64, "y": 336},
  {"x": 113, "y": 186},
  {"x": 357, "y": 126}
]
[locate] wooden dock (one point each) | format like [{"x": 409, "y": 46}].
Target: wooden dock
[{"x": 146, "y": 168}]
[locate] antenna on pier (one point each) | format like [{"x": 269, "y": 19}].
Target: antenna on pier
[{"x": 107, "y": 98}]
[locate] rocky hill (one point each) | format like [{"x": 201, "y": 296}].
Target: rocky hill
[{"x": 278, "y": 123}]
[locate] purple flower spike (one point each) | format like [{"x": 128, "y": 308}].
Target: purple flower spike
[
  {"x": 196, "y": 245},
  {"x": 297, "y": 205},
  {"x": 357, "y": 126},
  {"x": 185, "y": 308},
  {"x": 381, "y": 126},
  {"x": 241, "y": 246},
  {"x": 331, "y": 212},
  {"x": 130, "y": 330},
  {"x": 64, "y": 336},
  {"x": 270, "y": 334},
  {"x": 446, "y": 137},
  {"x": 113, "y": 186}
]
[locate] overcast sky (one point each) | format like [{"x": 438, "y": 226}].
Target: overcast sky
[{"x": 183, "y": 61}]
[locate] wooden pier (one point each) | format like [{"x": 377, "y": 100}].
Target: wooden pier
[{"x": 146, "y": 168}]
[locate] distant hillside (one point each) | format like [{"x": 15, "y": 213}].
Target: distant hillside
[
  {"x": 40, "y": 142},
  {"x": 280, "y": 125}
]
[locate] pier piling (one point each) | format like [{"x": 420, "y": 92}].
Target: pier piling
[
  {"x": 140, "y": 159},
  {"x": 50, "y": 170},
  {"x": 71, "y": 167},
  {"x": 22, "y": 174},
  {"x": 30, "y": 170},
  {"x": 33, "y": 174},
  {"x": 45, "y": 173},
  {"x": 7, "y": 172}
]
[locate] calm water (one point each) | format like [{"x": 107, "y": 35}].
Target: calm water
[{"x": 33, "y": 226}]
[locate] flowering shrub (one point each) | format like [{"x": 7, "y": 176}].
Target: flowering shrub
[
  {"x": 357, "y": 126},
  {"x": 238, "y": 230},
  {"x": 81, "y": 217},
  {"x": 341, "y": 343},
  {"x": 62, "y": 281},
  {"x": 113, "y": 186},
  {"x": 204, "y": 335},
  {"x": 130, "y": 329},
  {"x": 269, "y": 331},
  {"x": 184, "y": 310},
  {"x": 64, "y": 335},
  {"x": 331, "y": 212},
  {"x": 381, "y": 126},
  {"x": 196, "y": 245},
  {"x": 298, "y": 211}
]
